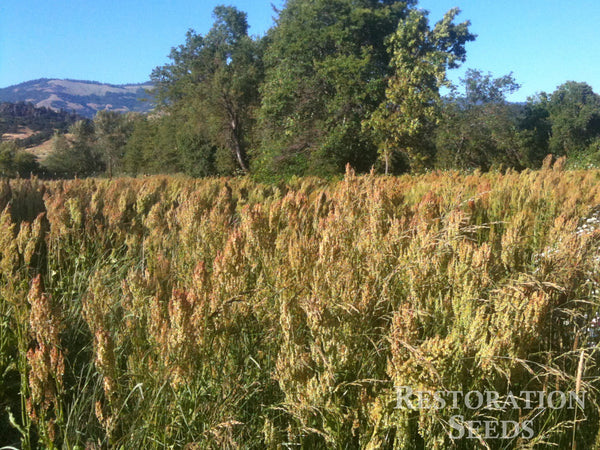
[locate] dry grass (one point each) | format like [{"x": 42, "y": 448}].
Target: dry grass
[
  {"x": 41, "y": 151},
  {"x": 227, "y": 314},
  {"x": 23, "y": 133}
]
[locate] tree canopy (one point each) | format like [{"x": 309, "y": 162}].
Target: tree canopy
[
  {"x": 326, "y": 65},
  {"x": 575, "y": 115},
  {"x": 421, "y": 57},
  {"x": 212, "y": 84},
  {"x": 333, "y": 82},
  {"x": 478, "y": 127}
]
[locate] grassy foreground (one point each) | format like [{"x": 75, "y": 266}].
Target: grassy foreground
[{"x": 170, "y": 312}]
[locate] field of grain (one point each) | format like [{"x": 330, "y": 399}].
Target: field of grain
[{"x": 168, "y": 312}]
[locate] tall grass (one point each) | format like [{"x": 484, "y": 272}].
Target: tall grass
[{"x": 171, "y": 312}]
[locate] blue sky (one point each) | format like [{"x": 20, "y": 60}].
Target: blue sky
[{"x": 543, "y": 42}]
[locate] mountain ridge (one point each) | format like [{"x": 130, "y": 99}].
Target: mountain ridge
[{"x": 83, "y": 97}]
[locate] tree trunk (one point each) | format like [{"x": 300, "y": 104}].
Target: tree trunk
[
  {"x": 236, "y": 145},
  {"x": 387, "y": 163},
  {"x": 237, "y": 150}
]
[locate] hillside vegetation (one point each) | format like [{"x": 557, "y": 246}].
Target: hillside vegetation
[
  {"x": 30, "y": 125},
  {"x": 221, "y": 313}
]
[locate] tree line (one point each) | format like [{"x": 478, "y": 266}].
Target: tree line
[{"x": 333, "y": 82}]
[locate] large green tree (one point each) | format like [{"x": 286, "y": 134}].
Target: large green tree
[
  {"x": 112, "y": 131},
  {"x": 8, "y": 151},
  {"x": 326, "y": 64},
  {"x": 211, "y": 86},
  {"x": 479, "y": 127},
  {"x": 168, "y": 144},
  {"x": 421, "y": 56},
  {"x": 77, "y": 154},
  {"x": 15, "y": 161},
  {"x": 575, "y": 115},
  {"x": 59, "y": 163},
  {"x": 535, "y": 129}
]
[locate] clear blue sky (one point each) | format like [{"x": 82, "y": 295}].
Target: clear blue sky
[{"x": 543, "y": 42}]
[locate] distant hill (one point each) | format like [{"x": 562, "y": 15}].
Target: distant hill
[
  {"x": 82, "y": 97},
  {"x": 30, "y": 125}
]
